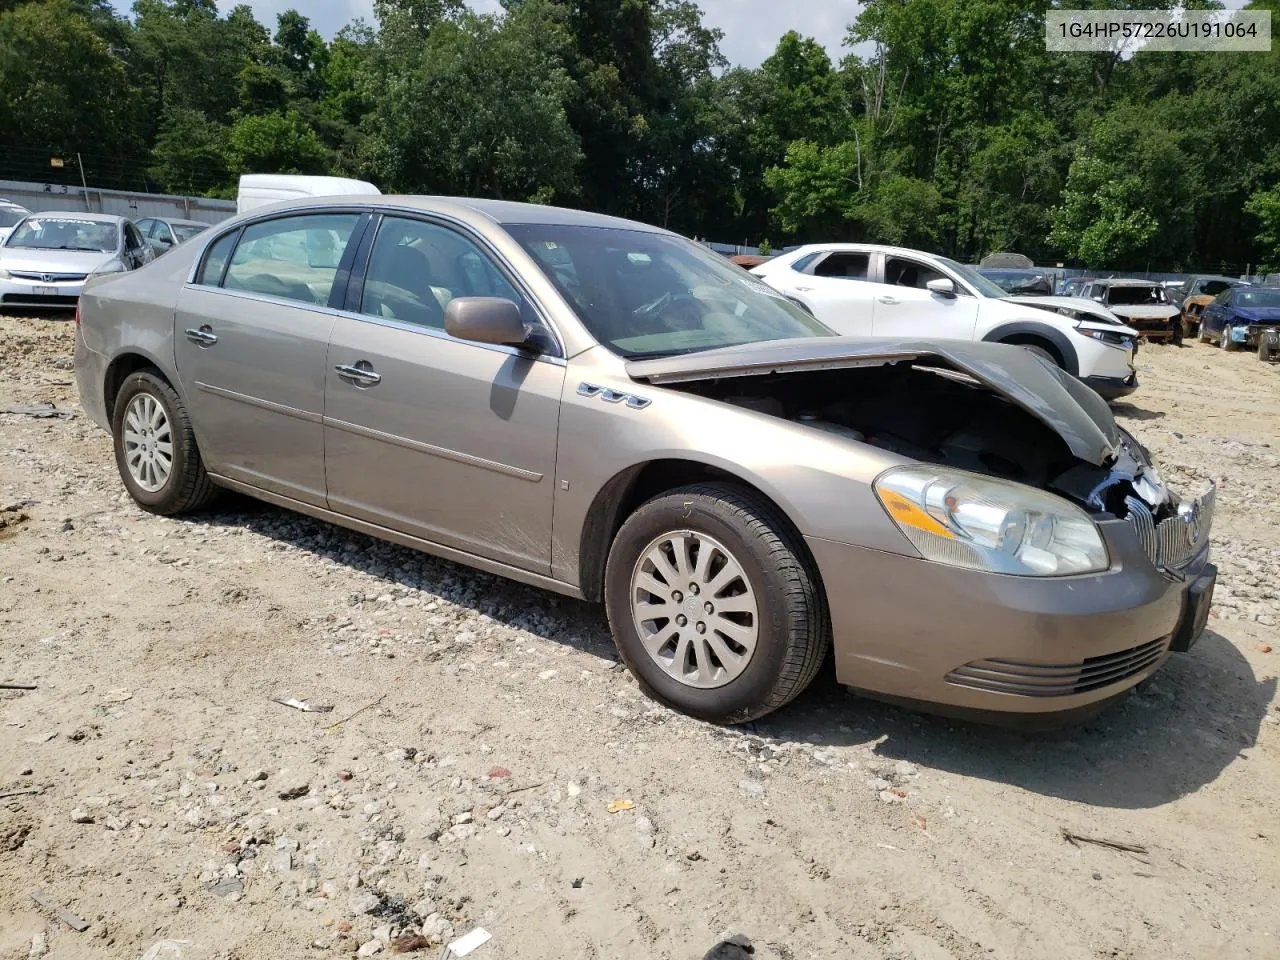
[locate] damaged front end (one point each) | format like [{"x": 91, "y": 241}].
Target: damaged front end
[{"x": 985, "y": 409}]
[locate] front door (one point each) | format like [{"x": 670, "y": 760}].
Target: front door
[
  {"x": 447, "y": 440},
  {"x": 905, "y": 307},
  {"x": 252, "y": 335}
]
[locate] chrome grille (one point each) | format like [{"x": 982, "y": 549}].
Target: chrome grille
[
  {"x": 1058, "y": 679},
  {"x": 1175, "y": 541},
  {"x": 48, "y": 277}
]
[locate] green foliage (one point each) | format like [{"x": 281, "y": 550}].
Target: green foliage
[
  {"x": 1265, "y": 205},
  {"x": 950, "y": 127},
  {"x": 279, "y": 142}
]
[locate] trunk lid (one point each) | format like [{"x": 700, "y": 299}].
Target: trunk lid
[{"x": 1064, "y": 404}]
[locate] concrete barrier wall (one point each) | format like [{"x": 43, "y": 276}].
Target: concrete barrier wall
[{"x": 40, "y": 197}]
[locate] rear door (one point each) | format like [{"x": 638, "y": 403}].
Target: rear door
[
  {"x": 833, "y": 286},
  {"x": 447, "y": 440},
  {"x": 252, "y": 336},
  {"x": 905, "y": 307}
]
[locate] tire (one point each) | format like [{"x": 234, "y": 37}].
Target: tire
[
  {"x": 1203, "y": 337},
  {"x": 773, "y": 576},
  {"x": 1175, "y": 337},
  {"x": 1228, "y": 344},
  {"x": 186, "y": 486}
]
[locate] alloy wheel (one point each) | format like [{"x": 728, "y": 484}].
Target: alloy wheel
[
  {"x": 694, "y": 609},
  {"x": 148, "y": 443}
]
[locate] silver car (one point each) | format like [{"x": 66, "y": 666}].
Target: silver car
[
  {"x": 607, "y": 410},
  {"x": 47, "y": 257}
]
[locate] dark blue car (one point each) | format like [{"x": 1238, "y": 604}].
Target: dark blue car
[{"x": 1237, "y": 316}]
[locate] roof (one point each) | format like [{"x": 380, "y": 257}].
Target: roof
[{"x": 502, "y": 212}]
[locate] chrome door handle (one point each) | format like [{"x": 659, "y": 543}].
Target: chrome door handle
[
  {"x": 805, "y": 289},
  {"x": 358, "y": 375},
  {"x": 889, "y": 300},
  {"x": 204, "y": 337}
]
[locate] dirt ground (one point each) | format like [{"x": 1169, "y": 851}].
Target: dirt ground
[{"x": 482, "y": 731}]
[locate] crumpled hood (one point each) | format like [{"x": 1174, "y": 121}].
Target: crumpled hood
[
  {"x": 1159, "y": 311},
  {"x": 1072, "y": 410},
  {"x": 1086, "y": 309},
  {"x": 30, "y": 260}
]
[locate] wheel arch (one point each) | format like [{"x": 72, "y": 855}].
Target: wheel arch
[
  {"x": 623, "y": 493},
  {"x": 1027, "y": 331},
  {"x": 126, "y": 363}
]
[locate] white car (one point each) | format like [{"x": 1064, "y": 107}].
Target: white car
[
  {"x": 11, "y": 214},
  {"x": 865, "y": 290},
  {"x": 47, "y": 257}
]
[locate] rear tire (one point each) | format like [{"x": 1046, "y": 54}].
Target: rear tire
[
  {"x": 156, "y": 449},
  {"x": 698, "y": 547}
]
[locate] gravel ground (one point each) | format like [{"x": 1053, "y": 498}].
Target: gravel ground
[{"x": 482, "y": 734}]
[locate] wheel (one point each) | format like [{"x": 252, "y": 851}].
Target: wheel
[
  {"x": 1227, "y": 343},
  {"x": 156, "y": 448},
  {"x": 1175, "y": 335},
  {"x": 713, "y": 603},
  {"x": 1204, "y": 337}
]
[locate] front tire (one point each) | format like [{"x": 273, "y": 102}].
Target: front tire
[
  {"x": 714, "y": 604},
  {"x": 1228, "y": 344},
  {"x": 156, "y": 449}
]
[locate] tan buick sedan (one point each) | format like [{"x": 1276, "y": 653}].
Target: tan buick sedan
[{"x": 610, "y": 411}]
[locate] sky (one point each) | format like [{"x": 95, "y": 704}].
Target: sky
[{"x": 751, "y": 27}]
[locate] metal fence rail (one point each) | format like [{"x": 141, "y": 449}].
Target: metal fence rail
[{"x": 40, "y": 197}]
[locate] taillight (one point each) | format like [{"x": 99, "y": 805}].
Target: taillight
[{"x": 77, "y": 313}]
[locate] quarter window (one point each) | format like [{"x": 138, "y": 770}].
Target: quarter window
[
  {"x": 900, "y": 272},
  {"x": 291, "y": 257},
  {"x": 850, "y": 266},
  {"x": 215, "y": 260},
  {"x": 417, "y": 267}
]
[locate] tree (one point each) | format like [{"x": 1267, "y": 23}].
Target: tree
[
  {"x": 61, "y": 88},
  {"x": 1101, "y": 220},
  {"x": 1265, "y": 206},
  {"x": 275, "y": 143},
  {"x": 477, "y": 108},
  {"x": 189, "y": 155}
]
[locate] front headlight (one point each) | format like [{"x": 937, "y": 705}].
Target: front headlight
[
  {"x": 967, "y": 520},
  {"x": 1106, "y": 336}
]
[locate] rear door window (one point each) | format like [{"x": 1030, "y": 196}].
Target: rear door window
[
  {"x": 291, "y": 257},
  {"x": 847, "y": 266},
  {"x": 215, "y": 260}
]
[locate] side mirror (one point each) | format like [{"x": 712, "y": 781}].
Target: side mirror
[
  {"x": 944, "y": 287},
  {"x": 486, "y": 320}
]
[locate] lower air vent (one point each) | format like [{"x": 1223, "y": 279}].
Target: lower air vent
[{"x": 1058, "y": 679}]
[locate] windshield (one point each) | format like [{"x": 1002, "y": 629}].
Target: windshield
[
  {"x": 1258, "y": 298},
  {"x": 50, "y": 233},
  {"x": 186, "y": 232},
  {"x": 984, "y": 286},
  {"x": 11, "y": 216},
  {"x": 1136, "y": 296},
  {"x": 651, "y": 295}
]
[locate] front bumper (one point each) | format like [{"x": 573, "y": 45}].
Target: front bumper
[
  {"x": 1112, "y": 388},
  {"x": 31, "y": 293},
  {"x": 912, "y": 630}
]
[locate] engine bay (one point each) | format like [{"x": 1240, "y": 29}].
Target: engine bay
[{"x": 939, "y": 416}]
